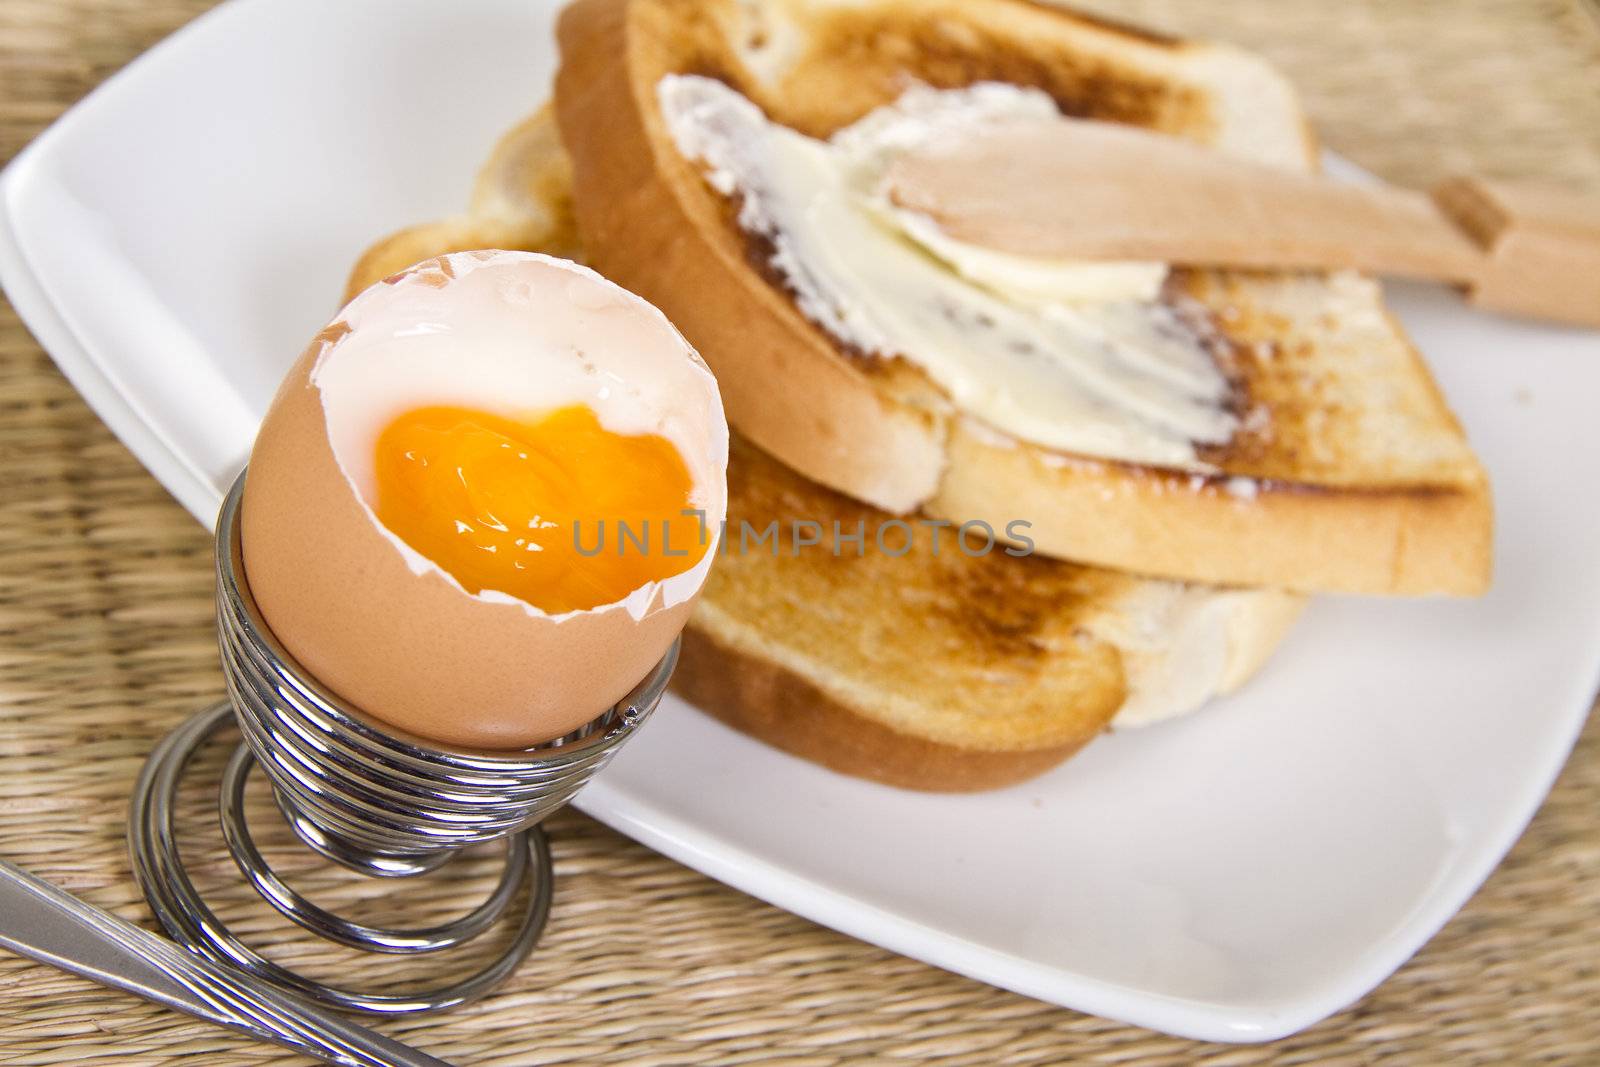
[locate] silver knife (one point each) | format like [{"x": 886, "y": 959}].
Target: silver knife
[{"x": 48, "y": 924}]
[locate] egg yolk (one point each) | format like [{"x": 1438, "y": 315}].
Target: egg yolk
[{"x": 555, "y": 510}]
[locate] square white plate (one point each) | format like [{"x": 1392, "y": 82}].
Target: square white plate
[{"x": 1237, "y": 875}]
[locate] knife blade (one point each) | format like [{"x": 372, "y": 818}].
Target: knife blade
[{"x": 48, "y": 924}]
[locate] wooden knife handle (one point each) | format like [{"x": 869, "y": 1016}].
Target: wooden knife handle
[
  {"x": 1541, "y": 247},
  {"x": 1071, "y": 188}
]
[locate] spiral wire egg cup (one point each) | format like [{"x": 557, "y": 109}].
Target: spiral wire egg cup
[{"x": 371, "y": 798}]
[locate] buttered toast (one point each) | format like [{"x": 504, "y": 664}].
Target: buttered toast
[
  {"x": 941, "y": 672},
  {"x": 1340, "y": 468}
]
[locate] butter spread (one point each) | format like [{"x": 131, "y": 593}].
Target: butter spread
[
  {"x": 1039, "y": 281},
  {"x": 1074, "y": 356}
]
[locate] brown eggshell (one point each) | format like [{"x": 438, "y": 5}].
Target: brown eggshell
[{"x": 414, "y": 650}]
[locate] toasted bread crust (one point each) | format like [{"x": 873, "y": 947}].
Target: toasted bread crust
[
  {"x": 762, "y": 698},
  {"x": 1305, "y": 538},
  {"x": 875, "y": 430}
]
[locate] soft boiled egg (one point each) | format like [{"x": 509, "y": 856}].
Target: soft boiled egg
[{"x": 483, "y": 501}]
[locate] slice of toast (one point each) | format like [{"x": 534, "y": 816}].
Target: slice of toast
[
  {"x": 947, "y": 672},
  {"x": 1347, "y": 471},
  {"x": 941, "y": 669}
]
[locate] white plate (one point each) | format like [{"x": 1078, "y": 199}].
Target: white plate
[{"x": 1237, "y": 875}]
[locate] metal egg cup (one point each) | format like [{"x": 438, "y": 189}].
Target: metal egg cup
[{"x": 365, "y": 795}]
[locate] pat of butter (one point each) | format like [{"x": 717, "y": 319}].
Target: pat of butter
[
  {"x": 1075, "y": 357},
  {"x": 1074, "y": 281}
]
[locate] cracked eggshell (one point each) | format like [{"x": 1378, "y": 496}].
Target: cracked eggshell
[{"x": 388, "y": 630}]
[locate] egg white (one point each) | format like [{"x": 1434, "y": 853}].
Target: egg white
[{"x": 518, "y": 334}]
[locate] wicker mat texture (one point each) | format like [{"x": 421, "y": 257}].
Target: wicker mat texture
[{"x": 106, "y": 641}]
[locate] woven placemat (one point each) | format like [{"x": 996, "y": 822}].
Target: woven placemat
[{"x": 106, "y": 642}]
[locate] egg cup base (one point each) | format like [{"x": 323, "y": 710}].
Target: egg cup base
[{"x": 365, "y": 796}]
